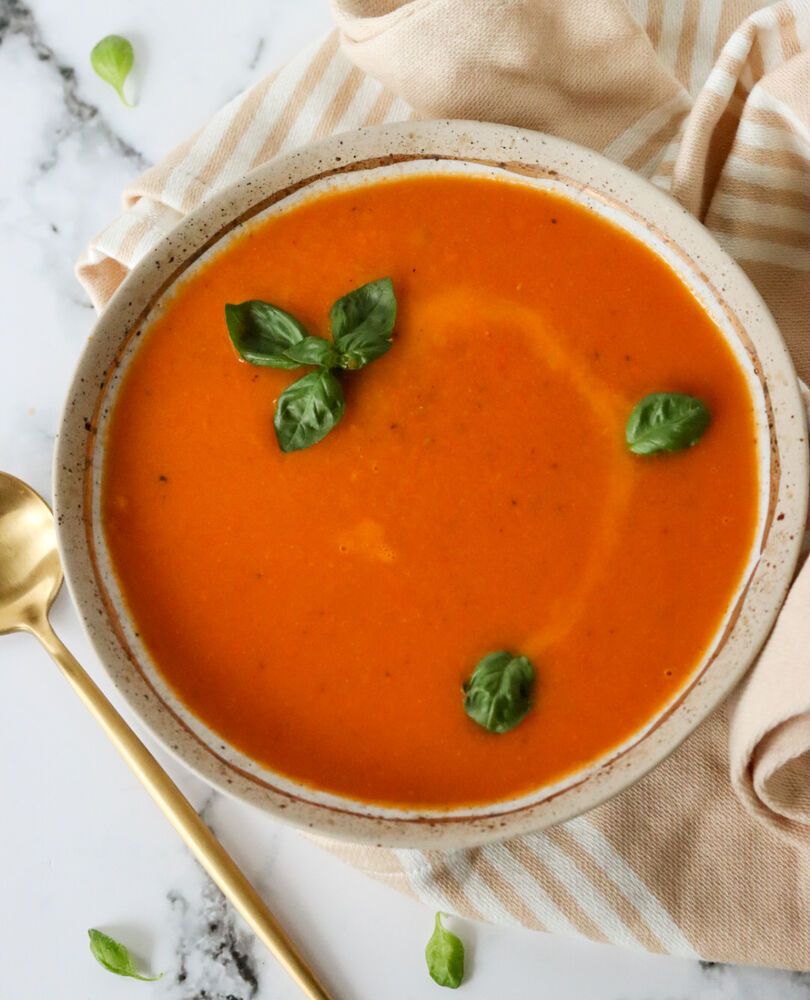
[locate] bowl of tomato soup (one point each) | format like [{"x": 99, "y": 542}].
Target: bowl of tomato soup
[{"x": 482, "y": 492}]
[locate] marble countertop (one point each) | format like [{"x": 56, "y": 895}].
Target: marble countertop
[{"x": 81, "y": 843}]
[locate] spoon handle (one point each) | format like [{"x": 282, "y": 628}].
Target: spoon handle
[{"x": 183, "y": 817}]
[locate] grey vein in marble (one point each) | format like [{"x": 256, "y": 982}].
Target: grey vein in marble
[
  {"x": 257, "y": 54},
  {"x": 17, "y": 18},
  {"x": 214, "y": 951}
]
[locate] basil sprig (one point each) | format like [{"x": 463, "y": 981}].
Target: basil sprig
[
  {"x": 445, "y": 956},
  {"x": 362, "y": 326},
  {"x": 666, "y": 421},
  {"x": 498, "y": 695},
  {"x": 115, "y": 957}
]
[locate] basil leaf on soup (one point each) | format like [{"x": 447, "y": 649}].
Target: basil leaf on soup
[
  {"x": 445, "y": 956},
  {"x": 666, "y": 421},
  {"x": 313, "y": 351},
  {"x": 363, "y": 322},
  {"x": 498, "y": 695},
  {"x": 308, "y": 409},
  {"x": 262, "y": 333},
  {"x": 115, "y": 957},
  {"x": 112, "y": 59}
]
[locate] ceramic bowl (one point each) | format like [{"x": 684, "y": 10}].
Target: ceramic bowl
[{"x": 514, "y": 156}]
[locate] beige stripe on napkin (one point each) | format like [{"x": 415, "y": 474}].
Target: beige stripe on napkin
[{"x": 710, "y": 853}]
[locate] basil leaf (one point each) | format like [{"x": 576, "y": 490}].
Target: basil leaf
[
  {"x": 497, "y": 696},
  {"x": 262, "y": 333},
  {"x": 313, "y": 351},
  {"x": 445, "y": 956},
  {"x": 666, "y": 421},
  {"x": 307, "y": 410},
  {"x": 362, "y": 323},
  {"x": 112, "y": 59},
  {"x": 115, "y": 957}
]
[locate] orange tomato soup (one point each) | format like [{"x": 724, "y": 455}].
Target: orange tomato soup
[{"x": 321, "y": 609}]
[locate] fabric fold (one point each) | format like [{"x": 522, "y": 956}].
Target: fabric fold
[
  {"x": 770, "y": 730},
  {"x": 543, "y": 66}
]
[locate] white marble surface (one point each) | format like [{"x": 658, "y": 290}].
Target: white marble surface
[{"x": 81, "y": 844}]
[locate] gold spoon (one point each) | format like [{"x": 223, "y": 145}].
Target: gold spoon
[{"x": 30, "y": 578}]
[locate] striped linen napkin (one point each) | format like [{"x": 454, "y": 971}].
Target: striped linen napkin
[{"x": 709, "y": 855}]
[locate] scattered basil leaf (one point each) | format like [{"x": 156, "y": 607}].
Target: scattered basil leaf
[
  {"x": 313, "y": 351},
  {"x": 112, "y": 59},
  {"x": 498, "y": 695},
  {"x": 445, "y": 956},
  {"x": 362, "y": 323},
  {"x": 666, "y": 421},
  {"x": 307, "y": 410},
  {"x": 115, "y": 957},
  {"x": 263, "y": 333}
]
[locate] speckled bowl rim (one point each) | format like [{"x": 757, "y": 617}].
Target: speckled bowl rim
[{"x": 516, "y": 151}]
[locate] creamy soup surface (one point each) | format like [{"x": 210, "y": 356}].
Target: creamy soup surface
[{"x": 321, "y": 609}]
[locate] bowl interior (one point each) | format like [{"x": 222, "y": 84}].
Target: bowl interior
[{"x": 369, "y": 157}]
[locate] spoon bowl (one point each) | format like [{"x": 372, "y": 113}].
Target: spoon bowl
[{"x": 30, "y": 569}]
